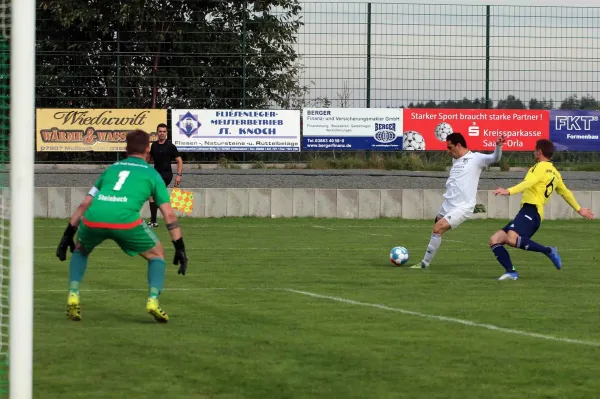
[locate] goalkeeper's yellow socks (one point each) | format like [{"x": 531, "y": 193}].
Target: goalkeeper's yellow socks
[{"x": 77, "y": 268}]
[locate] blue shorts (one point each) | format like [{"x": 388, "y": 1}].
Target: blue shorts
[{"x": 526, "y": 223}]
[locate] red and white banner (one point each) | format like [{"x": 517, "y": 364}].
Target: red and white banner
[{"x": 427, "y": 129}]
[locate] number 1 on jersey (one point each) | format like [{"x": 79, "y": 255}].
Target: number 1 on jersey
[{"x": 123, "y": 175}]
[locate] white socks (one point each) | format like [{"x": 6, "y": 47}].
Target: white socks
[{"x": 432, "y": 248}]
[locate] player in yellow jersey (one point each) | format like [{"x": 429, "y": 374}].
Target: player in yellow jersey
[{"x": 541, "y": 181}]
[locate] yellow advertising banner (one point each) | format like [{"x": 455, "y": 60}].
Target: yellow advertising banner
[{"x": 66, "y": 129}]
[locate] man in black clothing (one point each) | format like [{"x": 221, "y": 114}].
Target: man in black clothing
[{"x": 162, "y": 153}]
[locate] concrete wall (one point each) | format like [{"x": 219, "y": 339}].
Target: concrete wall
[{"x": 60, "y": 202}]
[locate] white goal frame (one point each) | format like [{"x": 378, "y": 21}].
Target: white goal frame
[{"x": 22, "y": 152}]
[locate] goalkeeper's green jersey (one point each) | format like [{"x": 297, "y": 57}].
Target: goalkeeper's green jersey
[{"x": 121, "y": 191}]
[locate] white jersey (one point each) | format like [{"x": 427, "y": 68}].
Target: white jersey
[{"x": 461, "y": 186}]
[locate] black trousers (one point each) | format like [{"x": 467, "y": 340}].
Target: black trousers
[{"x": 167, "y": 177}]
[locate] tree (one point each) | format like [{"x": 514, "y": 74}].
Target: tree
[
  {"x": 428, "y": 104},
  {"x": 511, "y": 102},
  {"x": 296, "y": 96},
  {"x": 465, "y": 103},
  {"x": 573, "y": 102},
  {"x": 167, "y": 53},
  {"x": 344, "y": 97},
  {"x": 543, "y": 104}
]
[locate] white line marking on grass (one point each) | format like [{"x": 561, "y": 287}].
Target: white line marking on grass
[
  {"x": 273, "y": 249},
  {"x": 350, "y": 302},
  {"x": 446, "y": 319},
  {"x": 482, "y": 248},
  {"x": 168, "y": 289},
  {"x": 342, "y": 228},
  {"x": 325, "y": 228},
  {"x": 270, "y": 226}
]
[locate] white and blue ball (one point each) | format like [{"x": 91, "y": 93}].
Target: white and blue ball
[{"x": 399, "y": 256}]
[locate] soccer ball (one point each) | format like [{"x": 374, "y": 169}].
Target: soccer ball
[
  {"x": 399, "y": 256},
  {"x": 442, "y": 131},
  {"x": 413, "y": 141}
]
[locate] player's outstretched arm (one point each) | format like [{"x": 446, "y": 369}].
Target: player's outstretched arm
[
  {"x": 175, "y": 231},
  {"x": 529, "y": 180},
  {"x": 489, "y": 159},
  {"x": 524, "y": 185},
  {"x": 586, "y": 213},
  {"x": 570, "y": 199},
  {"x": 67, "y": 239}
]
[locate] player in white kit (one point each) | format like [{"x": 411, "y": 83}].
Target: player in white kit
[{"x": 461, "y": 190}]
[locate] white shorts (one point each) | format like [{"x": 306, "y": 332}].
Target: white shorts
[{"x": 454, "y": 216}]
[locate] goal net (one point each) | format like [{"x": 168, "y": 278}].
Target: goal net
[{"x": 17, "y": 149}]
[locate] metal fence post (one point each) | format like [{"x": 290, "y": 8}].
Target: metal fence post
[
  {"x": 244, "y": 34},
  {"x": 368, "y": 153},
  {"x": 368, "y": 55},
  {"x": 487, "y": 57},
  {"x": 118, "y": 70},
  {"x": 118, "y": 76}
]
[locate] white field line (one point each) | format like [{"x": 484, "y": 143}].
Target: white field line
[
  {"x": 341, "y": 228},
  {"x": 352, "y": 302},
  {"x": 447, "y": 319},
  {"x": 326, "y": 228},
  {"x": 263, "y": 226},
  {"x": 84, "y": 291},
  {"x": 459, "y": 241},
  {"x": 483, "y": 247},
  {"x": 399, "y": 225},
  {"x": 295, "y": 248},
  {"x": 373, "y": 234}
]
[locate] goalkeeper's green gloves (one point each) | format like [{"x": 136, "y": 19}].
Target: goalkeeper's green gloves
[
  {"x": 180, "y": 256},
  {"x": 66, "y": 241}
]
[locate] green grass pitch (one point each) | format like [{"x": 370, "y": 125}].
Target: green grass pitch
[{"x": 312, "y": 308}]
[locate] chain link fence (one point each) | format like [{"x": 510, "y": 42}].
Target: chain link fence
[{"x": 249, "y": 54}]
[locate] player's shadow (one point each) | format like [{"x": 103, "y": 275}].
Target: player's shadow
[
  {"x": 107, "y": 316},
  {"x": 391, "y": 266},
  {"x": 140, "y": 319}
]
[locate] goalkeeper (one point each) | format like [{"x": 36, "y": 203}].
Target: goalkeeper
[{"x": 111, "y": 210}]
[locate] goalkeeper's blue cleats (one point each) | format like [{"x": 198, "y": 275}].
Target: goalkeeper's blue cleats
[
  {"x": 154, "y": 309},
  {"x": 73, "y": 307},
  {"x": 555, "y": 258},
  {"x": 509, "y": 276}
]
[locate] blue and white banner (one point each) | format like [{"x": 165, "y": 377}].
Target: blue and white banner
[
  {"x": 352, "y": 129},
  {"x": 575, "y": 130},
  {"x": 215, "y": 130}
]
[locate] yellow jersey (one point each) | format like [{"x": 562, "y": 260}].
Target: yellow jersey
[{"x": 541, "y": 181}]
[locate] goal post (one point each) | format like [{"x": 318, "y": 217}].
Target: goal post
[{"x": 21, "y": 207}]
